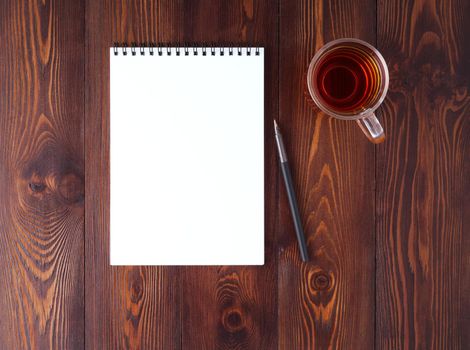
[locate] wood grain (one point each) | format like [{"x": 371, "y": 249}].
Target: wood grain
[
  {"x": 422, "y": 177},
  {"x": 41, "y": 175},
  {"x": 386, "y": 225},
  {"x": 242, "y": 309},
  {"x": 328, "y": 302},
  {"x": 235, "y": 307},
  {"x": 126, "y": 307}
]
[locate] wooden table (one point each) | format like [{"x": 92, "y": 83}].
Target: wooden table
[{"x": 387, "y": 225}]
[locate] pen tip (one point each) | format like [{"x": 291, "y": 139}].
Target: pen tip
[{"x": 276, "y": 127}]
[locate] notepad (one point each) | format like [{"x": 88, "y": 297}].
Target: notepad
[{"x": 187, "y": 156}]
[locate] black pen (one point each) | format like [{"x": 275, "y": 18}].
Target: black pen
[{"x": 291, "y": 193}]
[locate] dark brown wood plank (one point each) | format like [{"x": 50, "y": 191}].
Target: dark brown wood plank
[
  {"x": 126, "y": 307},
  {"x": 139, "y": 307},
  {"x": 423, "y": 289},
  {"x": 41, "y": 174},
  {"x": 328, "y": 302},
  {"x": 235, "y": 307}
]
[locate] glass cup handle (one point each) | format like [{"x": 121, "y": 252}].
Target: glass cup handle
[{"x": 370, "y": 126}]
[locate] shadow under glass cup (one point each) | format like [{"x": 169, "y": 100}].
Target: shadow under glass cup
[{"x": 348, "y": 79}]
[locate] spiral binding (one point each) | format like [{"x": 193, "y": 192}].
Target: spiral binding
[{"x": 159, "y": 50}]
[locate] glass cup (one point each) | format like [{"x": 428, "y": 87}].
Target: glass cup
[{"x": 348, "y": 79}]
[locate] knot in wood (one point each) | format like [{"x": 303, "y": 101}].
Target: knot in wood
[
  {"x": 321, "y": 281},
  {"x": 37, "y": 187},
  {"x": 233, "y": 321},
  {"x": 136, "y": 290},
  {"x": 71, "y": 188}
]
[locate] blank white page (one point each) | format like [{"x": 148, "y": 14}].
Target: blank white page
[{"x": 187, "y": 158}]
